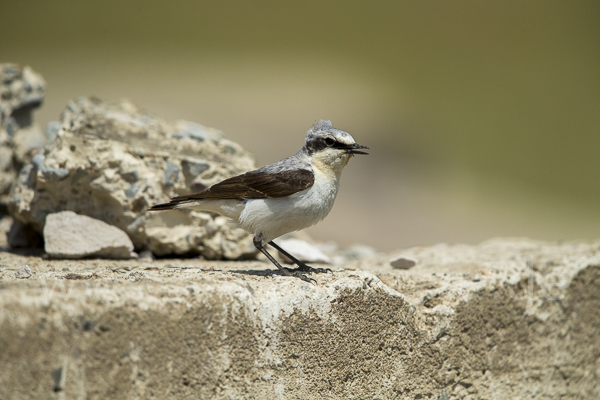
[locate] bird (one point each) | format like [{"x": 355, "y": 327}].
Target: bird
[{"x": 286, "y": 196}]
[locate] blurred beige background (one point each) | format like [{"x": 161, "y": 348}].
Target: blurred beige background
[{"x": 483, "y": 118}]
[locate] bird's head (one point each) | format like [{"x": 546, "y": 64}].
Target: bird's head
[{"x": 330, "y": 146}]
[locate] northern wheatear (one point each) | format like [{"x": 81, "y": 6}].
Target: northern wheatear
[{"x": 286, "y": 196}]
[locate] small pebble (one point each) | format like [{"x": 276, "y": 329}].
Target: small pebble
[
  {"x": 23, "y": 273},
  {"x": 403, "y": 262}
]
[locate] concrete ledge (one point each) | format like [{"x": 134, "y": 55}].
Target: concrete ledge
[{"x": 505, "y": 319}]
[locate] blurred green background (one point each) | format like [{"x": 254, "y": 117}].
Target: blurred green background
[{"x": 483, "y": 117}]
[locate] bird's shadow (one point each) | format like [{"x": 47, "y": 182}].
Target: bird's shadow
[{"x": 254, "y": 272}]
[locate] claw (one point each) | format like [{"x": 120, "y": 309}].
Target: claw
[{"x": 305, "y": 278}]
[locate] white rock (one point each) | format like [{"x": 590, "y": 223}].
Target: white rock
[
  {"x": 359, "y": 251},
  {"x": 303, "y": 251},
  {"x": 23, "y": 273},
  {"x": 69, "y": 235},
  {"x": 403, "y": 262}
]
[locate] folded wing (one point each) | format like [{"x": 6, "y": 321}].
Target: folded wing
[{"x": 251, "y": 185}]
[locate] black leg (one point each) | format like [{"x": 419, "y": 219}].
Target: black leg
[
  {"x": 301, "y": 266},
  {"x": 282, "y": 270}
]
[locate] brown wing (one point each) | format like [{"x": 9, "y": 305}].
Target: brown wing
[{"x": 256, "y": 185}]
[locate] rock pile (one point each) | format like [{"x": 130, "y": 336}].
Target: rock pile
[{"x": 112, "y": 161}]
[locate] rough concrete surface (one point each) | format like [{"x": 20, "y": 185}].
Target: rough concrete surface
[{"x": 507, "y": 319}]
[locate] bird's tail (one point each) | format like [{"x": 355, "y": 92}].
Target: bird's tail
[
  {"x": 164, "y": 206},
  {"x": 170, "y": 205}
]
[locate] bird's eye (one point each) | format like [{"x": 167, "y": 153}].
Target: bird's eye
[{"x": 329, "y": 141}]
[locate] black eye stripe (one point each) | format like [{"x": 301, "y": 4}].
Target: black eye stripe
[
  {"x": 317, "y": 144},
  {"x": 339, "y": 145}
]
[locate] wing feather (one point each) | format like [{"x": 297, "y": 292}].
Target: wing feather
[{"x": 251, "y": 185}]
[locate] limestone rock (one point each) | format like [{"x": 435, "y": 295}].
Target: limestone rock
[
  {"x": 526, "y": 328},
  {"x": 68, "y": 235},
  {"x": 303, "y": 251},
  {"x": 358, "y": 251},
  {"x": 112, "y": 161},
  {"x": 21, "y": 91}
]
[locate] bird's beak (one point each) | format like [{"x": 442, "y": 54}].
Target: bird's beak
[{"x": 353, "y": 149}]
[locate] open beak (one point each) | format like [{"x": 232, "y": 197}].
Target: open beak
[{"x": 353, "y": 149}]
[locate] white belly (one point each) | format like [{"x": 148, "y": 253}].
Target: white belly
[{"x": 271, "y": 218}]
